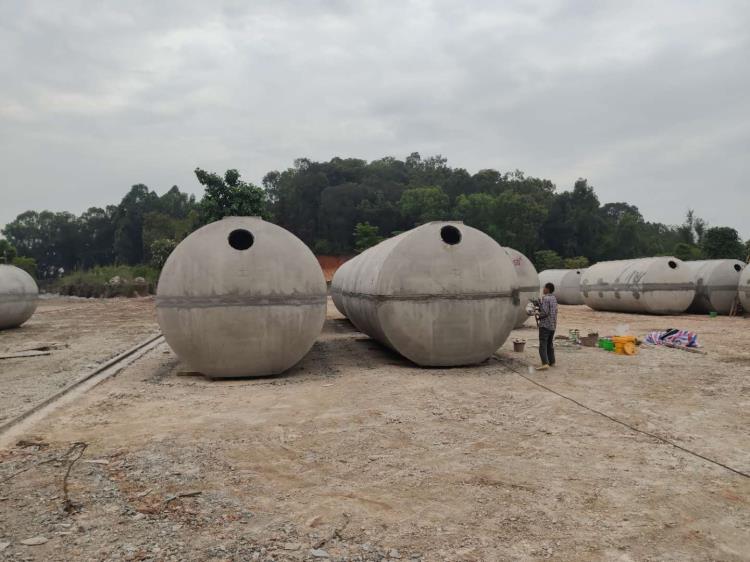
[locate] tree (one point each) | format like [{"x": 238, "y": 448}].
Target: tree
[
  {"x": 27, "y": 264},
  {"x": 578, "y": 262},
  {"x": 722, "y": 242},
  {"x": 160, "y": 251},
  {"x": 129, "y": 217},
  {"x": 518, "y": 220},
  {"x": 548, "y": 259},
  {"x": 229, "y": 196},
  {"x": 424, "y": 204},
  {"x": 687, "y": 252},
  {"x": 7, "y": 252},
  {"x": 365, "y": 236}
]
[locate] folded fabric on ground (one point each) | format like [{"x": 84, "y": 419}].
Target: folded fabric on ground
[{"x": 682, "y": 338}]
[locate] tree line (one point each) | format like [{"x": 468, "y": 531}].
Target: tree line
[{"x": 345, "y": 205}]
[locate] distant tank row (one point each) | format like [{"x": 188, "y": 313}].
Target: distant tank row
[{"x": 660, "y": 285}]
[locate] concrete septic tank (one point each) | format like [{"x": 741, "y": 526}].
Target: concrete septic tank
[
  {"x": 19, "y": 296},
  {"x": 241, "y": 297},
  {"x": 441, "y": 295},
  {"x": 662, "y": 285},
  {"x": 528, "y": 283},
  {"x": 744, "y": 288},
  {"x": 716, "y": 283},
  {"x": 567, "y": 284}
]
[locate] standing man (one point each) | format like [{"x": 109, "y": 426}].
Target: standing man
[{"x": 547, "y": 321}]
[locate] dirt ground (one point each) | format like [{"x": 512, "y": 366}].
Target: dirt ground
[
  {"x": 355, "y": 454},
  {"x": 83, "y": 333}
]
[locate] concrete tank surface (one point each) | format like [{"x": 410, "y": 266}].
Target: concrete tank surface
[
  {"x": 19, "y": 296},
  {"x": 442, "y": 294},
  {"x": 716, "y": 283},
  {"x": 567, "y": 284},
  {"x": 661, "y": 285},
  {"x": 241, "y": 297},
  {"x": 745, "y": 288},
  {"x": 528, "y": 283}
]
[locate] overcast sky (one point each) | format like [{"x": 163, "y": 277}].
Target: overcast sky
[{"x": 648, "y": 100}]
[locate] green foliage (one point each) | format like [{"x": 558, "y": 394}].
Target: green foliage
[
  {"x": 116, "y": 234},
  {"x": 548, "y": 259},
  {"x": 365, "y": 236},
  {"x": 687, "y": 252},
  {"x": 228, "y": 196},
  {"x": 722, "y": 242},
  {"x": 7, "y": 251},
  {"x": 424, "y": 204},
  {"x": 27, "y": 264},
  {"x": 97, "y": 282},
  {"x": 578, "y": 262},
  {"x": 160, "y": 250},
  {"x": 324, "y": 202}
]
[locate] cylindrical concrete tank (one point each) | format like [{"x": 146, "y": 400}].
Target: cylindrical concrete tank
[
  {"x": 19, "y": 296},
  {"x": 241, "y": 297},
  {"x": 744, "y": 288},
  {"x": 661, "y": 285},
  {"x": 716, "y": 283},
  {"x": 567, "y": 284},
  {"x": 442, "y": 294},
  {"x": 528, "y": 283}
]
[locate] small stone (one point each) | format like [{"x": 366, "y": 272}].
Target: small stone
[
  {"x": 292, "y": 546},
  {"x": 314, "y": 521},
  {"x": 139, "y": 516},
  {"x": 4, "y": 545},
  {"x": 393, "y": 553},
  {"x": 319, "y": 553},
  {"x": 34, "y": 541}
]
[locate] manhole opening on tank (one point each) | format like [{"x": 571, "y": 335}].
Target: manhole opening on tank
[
  {"x": 450, "y": 235},
  {"x": 737, "y": 267},
  {"x": 240, "y": 239},
  {"x": 672, "y": 264}
]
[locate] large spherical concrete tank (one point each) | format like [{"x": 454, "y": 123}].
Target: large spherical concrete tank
[
  {"x": 241, "y": 297},
  {"x": 567, "y": 284},
  {"x": 19, "y": 296},
  {"x": 528, "y": 283},
  {"x": 661, "y": 285},
  {"x": 716, "y": 283},
  {"x": 442, "y": 294},
  {"x": 744, "y": 287}
]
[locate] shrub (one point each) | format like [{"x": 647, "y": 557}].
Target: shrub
[{"x": 95, "y": 282}]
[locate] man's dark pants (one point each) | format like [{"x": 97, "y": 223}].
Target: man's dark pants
[{"x": 546, "y": 346}]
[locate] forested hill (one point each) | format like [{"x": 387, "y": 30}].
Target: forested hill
[{"x": 346, "y": 204}]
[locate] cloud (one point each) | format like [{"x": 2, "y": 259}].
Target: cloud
[{"x": 646, "y": 100}]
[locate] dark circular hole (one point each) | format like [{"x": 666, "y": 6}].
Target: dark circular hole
[
  {"x": 450, "y": 235},
  {"x": 737, "y": 267},
  {"x": 672, "y": 264},
  {"x": 240, "y": 239}
]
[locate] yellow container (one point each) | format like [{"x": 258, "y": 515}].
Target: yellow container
[{"x": 624, "y": 345}]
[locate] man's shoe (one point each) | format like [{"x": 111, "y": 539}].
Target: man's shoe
[{"x": 542, "y": 368}]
